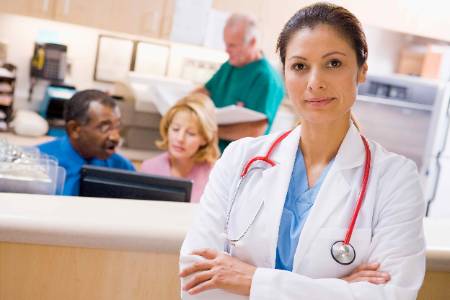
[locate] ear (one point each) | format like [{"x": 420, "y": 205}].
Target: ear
[
  {"x": 362, "y": 73},
  {"x": 252, "y": 42},
  {"x": 73, "y": 129}
]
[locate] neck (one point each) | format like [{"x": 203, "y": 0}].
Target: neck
[
  {"x": 180, "y": 167},
  {"x": 79, "y": 150},
  {"x": 320, "y": 143}
]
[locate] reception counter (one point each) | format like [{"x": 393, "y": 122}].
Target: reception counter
[{"x": 90, "y": 248}]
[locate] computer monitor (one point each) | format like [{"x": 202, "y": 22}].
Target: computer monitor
[{"x": 114, "y": 183}]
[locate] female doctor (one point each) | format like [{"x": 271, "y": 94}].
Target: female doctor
[{"x": 318, "y": 212}]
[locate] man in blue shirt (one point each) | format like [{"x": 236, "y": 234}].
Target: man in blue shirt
[{"x": 92, "y": 135}]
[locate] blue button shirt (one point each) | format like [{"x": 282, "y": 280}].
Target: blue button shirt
[
  {"x": 298, "y": 202},
  {"x": 72, "y": 162}
]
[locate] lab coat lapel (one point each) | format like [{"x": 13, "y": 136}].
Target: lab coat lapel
[
  {"x": 334, "y": 192},
  {"x": 276, "y": 184}
]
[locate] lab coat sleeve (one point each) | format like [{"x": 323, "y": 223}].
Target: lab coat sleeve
[
  {"x": 397, "y": 244},
  {"x": 210, "y": 221}
]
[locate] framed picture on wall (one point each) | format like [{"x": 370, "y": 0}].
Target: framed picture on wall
[
  {"x": 152, "y": 58},
  {"x": 115, "y": 58}
]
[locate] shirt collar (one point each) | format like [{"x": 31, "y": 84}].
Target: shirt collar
[{"x": 71, "y": 153}]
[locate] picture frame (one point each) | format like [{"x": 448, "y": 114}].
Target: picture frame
[{"x": 114, "y": 58}]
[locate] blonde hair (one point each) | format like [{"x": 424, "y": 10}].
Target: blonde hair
[{"x": 203, "y": 111}]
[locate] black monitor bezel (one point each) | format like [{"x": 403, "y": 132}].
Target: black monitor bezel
[{"x": 136, "y": 179}]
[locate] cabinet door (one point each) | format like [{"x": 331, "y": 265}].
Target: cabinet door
[
  {"x": 33, "y": 8},
  {"x": 424, "y": 18},
  {"x": 141, "y": 17},
  {"x": 93, "y": 13}
]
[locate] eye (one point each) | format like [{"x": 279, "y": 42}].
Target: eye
[
  {"x": 190, "y": 133},
  {"x": 334, "y": 63},
  {"x": 105, "y": 128},
  {"x": 298, "y": 67}
]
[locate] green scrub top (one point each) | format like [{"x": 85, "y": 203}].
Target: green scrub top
[{"x": 257, "y": 85}]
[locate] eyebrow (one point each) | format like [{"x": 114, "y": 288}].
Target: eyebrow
[
  {"x": 323, "y": 56},
  {"x": 105, "y": 122},
  {"x": 332, "y": 53}
]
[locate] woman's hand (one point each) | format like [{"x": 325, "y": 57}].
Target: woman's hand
[
  {"x": 369, "y": 273},
  {"x": 218, "y": 271}
]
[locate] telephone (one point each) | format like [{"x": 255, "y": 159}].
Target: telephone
[{"x": 49, "y": 62}]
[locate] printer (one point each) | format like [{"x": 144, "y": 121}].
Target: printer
[{"x": 52, "y": 107}]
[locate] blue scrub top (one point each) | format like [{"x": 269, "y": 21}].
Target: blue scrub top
[
  {"x": 72, "y": 162},
  {"x": 299, "y": 200}
]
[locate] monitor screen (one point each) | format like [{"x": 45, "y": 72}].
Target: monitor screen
[{"x": 114, "y": 183}]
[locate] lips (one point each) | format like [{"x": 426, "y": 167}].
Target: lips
[
  {"x": 319, "y": 102},
  {"x": 178, "y": 148},
  {"x": 110, "y": 147}
]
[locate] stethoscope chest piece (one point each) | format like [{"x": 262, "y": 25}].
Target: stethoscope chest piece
[{"x": 342, "y": 253}]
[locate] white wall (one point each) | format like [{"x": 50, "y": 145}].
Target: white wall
[
  {"x": 384, "y": 49},
  {"x": 21, "y": 32}
]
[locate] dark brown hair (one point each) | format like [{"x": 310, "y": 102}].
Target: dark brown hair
[
  {"x": 329, "y": 14},
  {"x": 77, "y": 108}
]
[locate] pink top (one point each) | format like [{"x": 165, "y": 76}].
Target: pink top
[{"x": 160, "y": 165}]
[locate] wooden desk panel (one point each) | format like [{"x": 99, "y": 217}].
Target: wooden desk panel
[
  {"x": 52, "y": 273},
  {"x": 436, "y": 286}
]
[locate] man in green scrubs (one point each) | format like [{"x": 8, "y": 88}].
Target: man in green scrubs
[{"x": 246, "y": 79}]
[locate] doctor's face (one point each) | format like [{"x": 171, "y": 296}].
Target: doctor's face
[
  {"x": 184, "y": 137},
  {"x": 322, "y": 74}
]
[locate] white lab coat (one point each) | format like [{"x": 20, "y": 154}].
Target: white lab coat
[{"x": 388, "y": 230}]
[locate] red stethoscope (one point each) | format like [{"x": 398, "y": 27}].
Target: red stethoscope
[{"x": 341, "y": 251}]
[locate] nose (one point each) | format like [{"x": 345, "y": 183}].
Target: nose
[
  {"x": 230, "y": 48},
  {"x": 316, "y": 81},
  {"x": 180, "y": 136},
  {"x": 114, "y": 135}
]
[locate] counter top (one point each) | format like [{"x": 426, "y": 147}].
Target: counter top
[
  {"x": 134, "y": 224},
  {"x": 24, "y": 140},
  {"x": 94, "y": 222},
  {"x": 132, "y": 154},
  {"x": 438, "y": 244}
]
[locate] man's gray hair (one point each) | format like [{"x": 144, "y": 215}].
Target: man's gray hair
[{"x": 249, "y": 23}]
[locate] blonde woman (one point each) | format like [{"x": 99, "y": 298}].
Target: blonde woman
[{"x": 189, "y": 136}]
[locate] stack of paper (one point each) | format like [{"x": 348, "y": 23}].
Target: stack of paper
[
  {"x": 162, "y": 93},
  {"x": 237, "y": 114}
]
